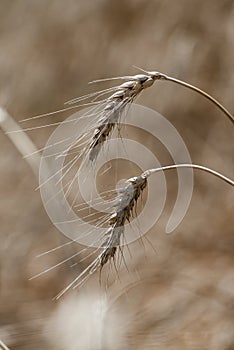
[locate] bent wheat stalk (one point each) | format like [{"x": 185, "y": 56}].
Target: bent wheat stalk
[
  {"x": 124, "y": 94},
  {"x": 149, "y": 172},
  {"x": 194, "y": 88},
  {"x": 125, "y": 206},
  {"x": 106, "y": 112}
]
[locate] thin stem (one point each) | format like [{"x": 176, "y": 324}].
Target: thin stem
[
  {"x": 21, "y": 141},
  {"x": 147, "y": 173},
  {"x": 3, "y": 346},
  {"x": 201, "y": 92}
]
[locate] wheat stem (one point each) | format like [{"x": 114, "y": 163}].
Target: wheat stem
[
  {"x": 162, "y": 76},
  {"x": 201, "y": 92},
  {"x": 147, "y": 173}
]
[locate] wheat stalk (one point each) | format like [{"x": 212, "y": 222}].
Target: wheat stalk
[
  {"x": 124, "y": 94},
  {"x": 125, "y": 206},
  {"x": 149, "y": 172},
  {"x": 106, "y": 113}
]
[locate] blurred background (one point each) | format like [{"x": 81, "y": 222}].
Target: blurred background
[{"x": 179, "y": 295}]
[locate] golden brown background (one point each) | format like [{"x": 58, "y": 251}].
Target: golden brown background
[{"x": 49, "y": 50}]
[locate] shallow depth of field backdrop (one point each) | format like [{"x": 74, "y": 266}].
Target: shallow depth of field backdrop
[{"x": 184, "y": 299}]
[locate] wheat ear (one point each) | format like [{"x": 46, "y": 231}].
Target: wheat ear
[
  {"x": 127, "y": 201},
  {"x": 125, "y": 206},
  {"x": 126, "y": 93},
  {"x": 108, "y": 111}
]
